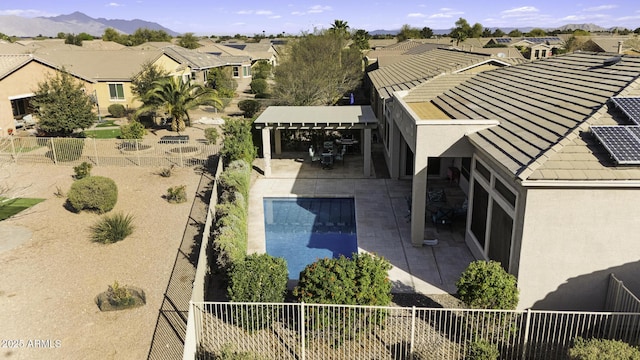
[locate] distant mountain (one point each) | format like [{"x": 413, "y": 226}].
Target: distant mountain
[
  {"x": 74, "y": 23},
  {"x": 586, "y": 27}
]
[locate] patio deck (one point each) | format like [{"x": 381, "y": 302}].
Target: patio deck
[{"x": 381, "y": 211}]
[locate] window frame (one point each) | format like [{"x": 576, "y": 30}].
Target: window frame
[{"x": 115, "y": 88}]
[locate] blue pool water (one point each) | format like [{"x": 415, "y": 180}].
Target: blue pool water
[{"x": 302, "y": 230}]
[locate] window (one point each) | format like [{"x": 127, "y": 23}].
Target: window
[
  {"x": 466, "y": 168},
  {"x": 246, "y": 71},
  {"x": 482, "y": 170},
  {"x": 236, "y": 71},
  {"x": 479, "y": 213},
  {"x": 506, "y": 194},
  {"x": 537, "y": 54},
  {"x": 116, "y": 92},
  {"x": 500, "y": 238}
]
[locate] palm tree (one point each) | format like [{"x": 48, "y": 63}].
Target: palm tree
[
  {"x": 340, "y": 27},
  {"x": 178, "y": 97}
]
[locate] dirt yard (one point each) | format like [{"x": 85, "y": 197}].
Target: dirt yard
[{"x": 48, "y": 284}]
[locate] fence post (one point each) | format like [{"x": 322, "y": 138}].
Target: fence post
[
  {"x": 137, "y": 151},
  {"x": 13, "y": 149},
  {"x": 95, "y": 151},
  {"x": 413, "y": 331},
  {"x": 181, "y": 161},
  {"x": 525, "y": 339},
  {"x": 53, "y": 151},
  {"x": 302, "y": 333}
]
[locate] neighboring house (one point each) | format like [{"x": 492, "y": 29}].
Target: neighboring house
[
  {"x": 398, "y": 52},
  {"x": 112, "y": 71},
  {"x": 407, "y": 74},
  {"x": 19, "y": 79},
  {"x": 238, "y": 60},
  {"x": 258, "y": 51},
  {"x": 536, "y": 47},
  {"x": 545, "y": 198}
]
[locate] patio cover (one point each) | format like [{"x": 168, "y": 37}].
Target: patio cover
[{"x": 316, "y": 117}]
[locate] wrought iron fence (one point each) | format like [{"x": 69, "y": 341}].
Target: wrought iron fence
[
  {"x": 105, "y": 152},
  {"x": 312, "y": 331},
  {"x": 620, "y": 298}
]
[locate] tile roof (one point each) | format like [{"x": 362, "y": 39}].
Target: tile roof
[
  {"x": 100, "y": 65},
  {"x": 196, "y": 60},
  {"x": 10, "y": 63},
  {"x": 417, "y": 69},
  {"x": 542, "y": 106}
]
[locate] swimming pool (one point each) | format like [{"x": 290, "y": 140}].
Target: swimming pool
[{"x": 302, "y": 230}]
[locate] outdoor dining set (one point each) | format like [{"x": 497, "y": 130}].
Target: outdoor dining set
[{"x": 331, "y": 152}]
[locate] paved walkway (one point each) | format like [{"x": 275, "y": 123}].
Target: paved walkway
[{"x": 382, "y": 227}]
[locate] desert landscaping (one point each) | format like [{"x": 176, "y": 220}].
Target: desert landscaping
[{"x": 50, "y": 279}]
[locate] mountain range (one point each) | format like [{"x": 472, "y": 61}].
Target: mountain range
[{"x": 73, "y": 23}]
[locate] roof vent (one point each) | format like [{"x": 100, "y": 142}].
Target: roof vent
[{"x": 612, "y": 61}]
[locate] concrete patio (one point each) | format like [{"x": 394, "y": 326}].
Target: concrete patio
[{"x": 382, "y": 225}]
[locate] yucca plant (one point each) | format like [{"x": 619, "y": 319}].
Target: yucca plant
[{"x": 112, "y": 228}]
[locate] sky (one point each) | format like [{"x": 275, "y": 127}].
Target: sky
[{"x": 249, "y": 17}]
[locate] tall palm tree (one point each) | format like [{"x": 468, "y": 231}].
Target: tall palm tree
[
  {"x": 178, "y": 97},
  {"x": 341, "y": 28}
]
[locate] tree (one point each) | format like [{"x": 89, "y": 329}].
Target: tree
[
  {"x": 340, "y": 28},
  {"x": 408, "y": 32},
  {"x": 142, "y": 83},
  {"x": 361, "y": 39},
  {"x": 486, "y": 285},
  {"x": 486, "y": 33},
  {"x": 189, "y": 41},
  {"x": 476, "y": 31},
  {"x": 637, "y": 31},
  {"x": 72, "y": 39},
  {"x": 220, "y": 79},
  {"x": 498, "y": 33},
  {"x": 317, "y": 70},
  {"x": 426, "y": 33},
  {"x": 178, "y": 97},
  {"x": 461, "y": 32},
  {"x": 536, "y": 32},
  {"x": 62, "y": 105},
  {"x": 250, "y": 107},
  {"x": 261, "y": 70},
  {"x": 515, "y": 33},
  {"x": 111, "y": 34},
  {"x": 238, "y": 142}
]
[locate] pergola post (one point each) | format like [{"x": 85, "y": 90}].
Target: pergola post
[
  {"x": 266, "y": 150},
  {"x": 277, "y": 134},
  {"x": 367, "y": 152}
]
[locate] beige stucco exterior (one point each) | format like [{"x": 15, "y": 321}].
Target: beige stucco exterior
[
  {"x": 572, "y": 239},
  {"x": 23, "y": 81}
]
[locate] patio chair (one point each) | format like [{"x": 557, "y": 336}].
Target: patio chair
[
  {"x": 314, "y": 157},
  {"x": 340, "y": 155},
  {"x": 327, "y": 161}
]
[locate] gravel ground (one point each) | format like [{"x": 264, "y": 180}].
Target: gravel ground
[{"x": 49, "y": 284}]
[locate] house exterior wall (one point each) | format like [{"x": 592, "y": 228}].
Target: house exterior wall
[
  {"x": 572, "y": 239},
  {"x": 23, "y": 81}
]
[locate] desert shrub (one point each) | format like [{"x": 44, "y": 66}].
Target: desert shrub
[
  {"x": 133, "y": 130},
  {"x": 227, "y": 353},
  {"x": 93, "y": 193},
  {"x": 211, "y": 134},
  {"x": 119, "y": 295},
  {"x": 486, "y": 285},
  {"x": 602, "y": 349},
  {"x": 258, "y": 278},
  {"x": 66, "y": 149},
  {"x": 362, "y": 280},
  {"x": 230, "y": 244},
  {"x": 237, "y": 177},
  {"x": 166, "y": 172},
  {"x": 117, "y": 110},
  {"x": 238, "y": 141},
  {"x": 482, "y": 350},
  {"x": 177, "y": 194},
  {"x": 82, "y": 171},
  {"x": 112, "y": 228},
  {"x": 249, "y": 107},
  {"x": 259, "y": 86}
]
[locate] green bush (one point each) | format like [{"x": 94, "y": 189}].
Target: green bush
[
  {"x": 482, "y": 350},
  {"x": 362, "y": 280},
  {"x": 93, "y": 193},
  {"x": 176, "y": 194},
  {"x": 602, "y": 349},
  {"x": 237, "y": 177},
  {"x": 133, "y": 130},
  {"x": 82, "y": 171},
  {"x": 259, "y": 86},
  {"x": 117, "y": 110},
  {"x": 112, "y": 228},
  {"x": 486, "y": 285},
  {"x": 249, "y": 107},
  {"x": 259, "y": 278},
  {"x": 211, "y": 134},
  {"x": 230, "y": 244},
  {"x": 238, "y": 141}
]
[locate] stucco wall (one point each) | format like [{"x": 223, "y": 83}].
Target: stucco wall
[{"x": 572, "y": 239}]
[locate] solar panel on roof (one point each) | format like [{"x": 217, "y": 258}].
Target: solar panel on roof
[
  {"x": 622, "y": 142},
  {"x": 503, "y": 40},
  {"x": 630, "y": 106}
]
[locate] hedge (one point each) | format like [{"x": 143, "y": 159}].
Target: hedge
[{"x": 93, "y": 193}]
